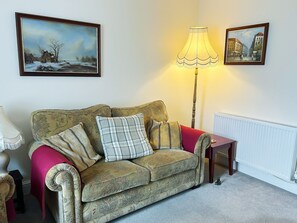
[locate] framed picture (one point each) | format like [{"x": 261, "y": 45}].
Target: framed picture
[
  {"x": 57, "y": 47},
  {"x": 246, "y": 45}
]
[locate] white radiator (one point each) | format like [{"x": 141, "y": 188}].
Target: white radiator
[{"x": 264, "y": 146}]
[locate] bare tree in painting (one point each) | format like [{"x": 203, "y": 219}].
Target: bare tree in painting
[
  {"x": 56, "y": 46},
  {"x": 29, "y": 58}
]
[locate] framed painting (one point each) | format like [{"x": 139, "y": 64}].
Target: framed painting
[
  {"x": 57, "y": 47},
  {"x": 246, "y": 45}
]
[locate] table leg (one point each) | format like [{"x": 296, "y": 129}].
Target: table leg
[
  {"x": 17, "y": 177},
  {"x": 230, "y": 158},
  {"x": 211, "y": 165},
  {"x": 20, "y": 196}
]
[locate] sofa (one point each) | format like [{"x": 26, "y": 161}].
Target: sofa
[
  {"x": 7, "y": 188},
  {"x": 108, "y": 190}
]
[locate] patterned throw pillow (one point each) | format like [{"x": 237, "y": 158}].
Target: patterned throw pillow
[
  {"x": 75, "y": 145},
  {"x": 164, "y": 135},
  {"x": 123, "y": 137}
]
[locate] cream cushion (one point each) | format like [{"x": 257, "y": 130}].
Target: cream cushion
[{"x": 75, "y": 145}]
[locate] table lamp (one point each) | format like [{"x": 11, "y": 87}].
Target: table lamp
[
  {"x": 10, "y": 138},
  {"x": 197, "y": 52}
]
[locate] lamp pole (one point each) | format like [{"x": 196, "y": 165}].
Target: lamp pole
[{"x": 194, "y": 99}]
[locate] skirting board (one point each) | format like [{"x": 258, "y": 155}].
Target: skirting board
[{"x": 268, "y": 178}]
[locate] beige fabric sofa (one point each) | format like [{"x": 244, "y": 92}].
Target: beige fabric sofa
[
  {"x": 7, "y": 188},
  {"x": 108, "y": 190}
]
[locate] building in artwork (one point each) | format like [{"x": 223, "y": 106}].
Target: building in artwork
[
  {"x": 47, "y": 56},
  {"x": 258, "y": 41},
  {"x": 237, "y": 49},
  {"x": 256, "y": 46}
]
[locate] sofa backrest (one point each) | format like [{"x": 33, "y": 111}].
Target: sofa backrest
[
  {"x": 48, "y": 122},
  {"x": 154, "y": 110}
]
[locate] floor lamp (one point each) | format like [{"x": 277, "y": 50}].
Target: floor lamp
[{"x": 197, "y": 53}]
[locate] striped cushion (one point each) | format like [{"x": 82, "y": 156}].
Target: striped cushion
[
  {"x": 164, "y": 135},
  {"x": 75, "y": 145},
  {"x": 123, "y": 137}
]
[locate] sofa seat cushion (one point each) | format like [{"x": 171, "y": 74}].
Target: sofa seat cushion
[
  {"x": 165, "y": 163},
  {"x": 107, "y": 178}
]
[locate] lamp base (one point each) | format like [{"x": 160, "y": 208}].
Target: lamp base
[{"x": 4, "y": 161}]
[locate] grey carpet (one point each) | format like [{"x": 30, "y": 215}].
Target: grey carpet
[{"x": 240, "y": 198}]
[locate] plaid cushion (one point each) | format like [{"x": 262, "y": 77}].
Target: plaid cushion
[
  {"x": 75, "y": 145},
  {"x": 123, "y": 137},
  {"x": 164, "y": 135}
]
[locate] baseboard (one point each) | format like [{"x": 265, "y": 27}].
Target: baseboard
[{"x": 290, "y": 186}]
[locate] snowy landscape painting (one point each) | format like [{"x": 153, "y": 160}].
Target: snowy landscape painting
[
  {"x": 57, "y": 47},
  {"x": 246, "y": 45}
]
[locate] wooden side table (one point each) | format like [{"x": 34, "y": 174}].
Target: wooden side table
[{"x": 220, "y": 143}]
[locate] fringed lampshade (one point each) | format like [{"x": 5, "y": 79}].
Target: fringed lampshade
[{"x": 197, "y": 51}]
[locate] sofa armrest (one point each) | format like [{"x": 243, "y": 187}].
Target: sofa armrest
[
  {"x": 65, "y": 179},
  {"x": 7, "y": 188},
  {"x": 196, "y": 141},
  {"x": 51, "y": 168}
]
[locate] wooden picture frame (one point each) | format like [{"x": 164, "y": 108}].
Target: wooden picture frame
[
  {"x": 246, "y": 45},
  {"x": 57, "y": 47}
]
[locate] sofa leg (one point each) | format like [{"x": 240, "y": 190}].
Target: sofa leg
[{"x": 197, "y": 186}]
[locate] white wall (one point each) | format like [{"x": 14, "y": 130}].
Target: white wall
[
  {"x": 140, "y": 41},
  {"x": 265, "y": 92}
]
